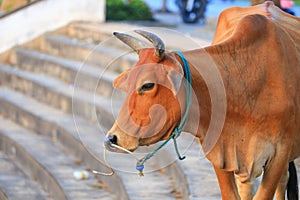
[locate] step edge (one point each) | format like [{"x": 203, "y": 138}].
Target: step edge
[{"x": 58, "y": 192}]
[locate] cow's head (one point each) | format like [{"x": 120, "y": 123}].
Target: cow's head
[{"x": 151, "y": 109}]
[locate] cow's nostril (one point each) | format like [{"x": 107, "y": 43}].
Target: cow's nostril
[
  {"x": 109, "y": 140},
  {"x": 113, "y": 139}
]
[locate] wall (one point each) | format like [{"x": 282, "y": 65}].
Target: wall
[{"x": 47, "y": 15}]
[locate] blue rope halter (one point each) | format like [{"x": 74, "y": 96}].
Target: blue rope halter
[{"x": 178, "y": 129}]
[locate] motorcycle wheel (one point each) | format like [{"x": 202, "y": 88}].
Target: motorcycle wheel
[{"x": 195, "y": 14}]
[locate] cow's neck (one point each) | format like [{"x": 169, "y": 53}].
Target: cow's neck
[{"x": 201, "y": 64}]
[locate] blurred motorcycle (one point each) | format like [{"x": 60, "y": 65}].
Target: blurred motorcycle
[{"x": 191, "y": 10}]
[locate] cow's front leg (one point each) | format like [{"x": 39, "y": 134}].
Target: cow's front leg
[
  {"x": 281, "y": 188},
  {"x": 273, "y": 173},
  {"x": 227, "y": 185}
]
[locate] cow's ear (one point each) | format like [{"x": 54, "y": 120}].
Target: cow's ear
[
  {"x": 174, "y": 78},
  {"x": 121, "y": 81}
]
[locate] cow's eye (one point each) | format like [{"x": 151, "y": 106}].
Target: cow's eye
[{"x": 145, "y": 87}]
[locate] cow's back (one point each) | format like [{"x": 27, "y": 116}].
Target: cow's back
[{"x": 230, "y": 19}]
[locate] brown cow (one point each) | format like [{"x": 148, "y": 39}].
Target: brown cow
[{"x": 256, "y": 51}]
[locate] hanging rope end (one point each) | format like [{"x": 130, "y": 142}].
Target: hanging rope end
[
  {"x": 140, "y": 169},
  {"x": 177, "y": 151},
  {"x": 181, "y": 157}
]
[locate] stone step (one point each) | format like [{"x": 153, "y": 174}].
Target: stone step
[
  {"x": 34, "y": 115},
  {"x": 15, "y": 184},
  {"x": 12, "y": 72},
  {"x": 60, "y": 127},
  {"x": 65, "y": 55},
  {"x": 96, "y": 33},
  {"x": 59, "y": 94},
  {"x": 102, "y": 55},
  {"x": 47, "y": 163},
  {"x": 88, "y": 77},
  {"x": 92, "y": 33}
]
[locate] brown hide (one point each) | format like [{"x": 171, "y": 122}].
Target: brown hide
[{"x": 259, "y": 60}]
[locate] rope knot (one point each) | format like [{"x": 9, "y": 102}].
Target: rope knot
[{"x": 176, "y": 132}]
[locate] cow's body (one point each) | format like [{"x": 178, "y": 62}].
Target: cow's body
[
  {"x": 257, "y": 52},
  {"x": 259, "y": 58}
]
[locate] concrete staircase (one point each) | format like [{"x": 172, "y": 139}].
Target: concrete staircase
[{"x": 55, "y": 107}]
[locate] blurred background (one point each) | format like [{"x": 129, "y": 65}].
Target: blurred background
[{"x": 200, "y": 15}]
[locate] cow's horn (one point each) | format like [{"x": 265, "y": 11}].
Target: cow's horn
[
  {"x": 134, "y": 43},
  {"x": 156, "y": 41}
]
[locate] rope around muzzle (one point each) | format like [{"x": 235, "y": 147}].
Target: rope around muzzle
[{"x": 175, "y": 133}]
